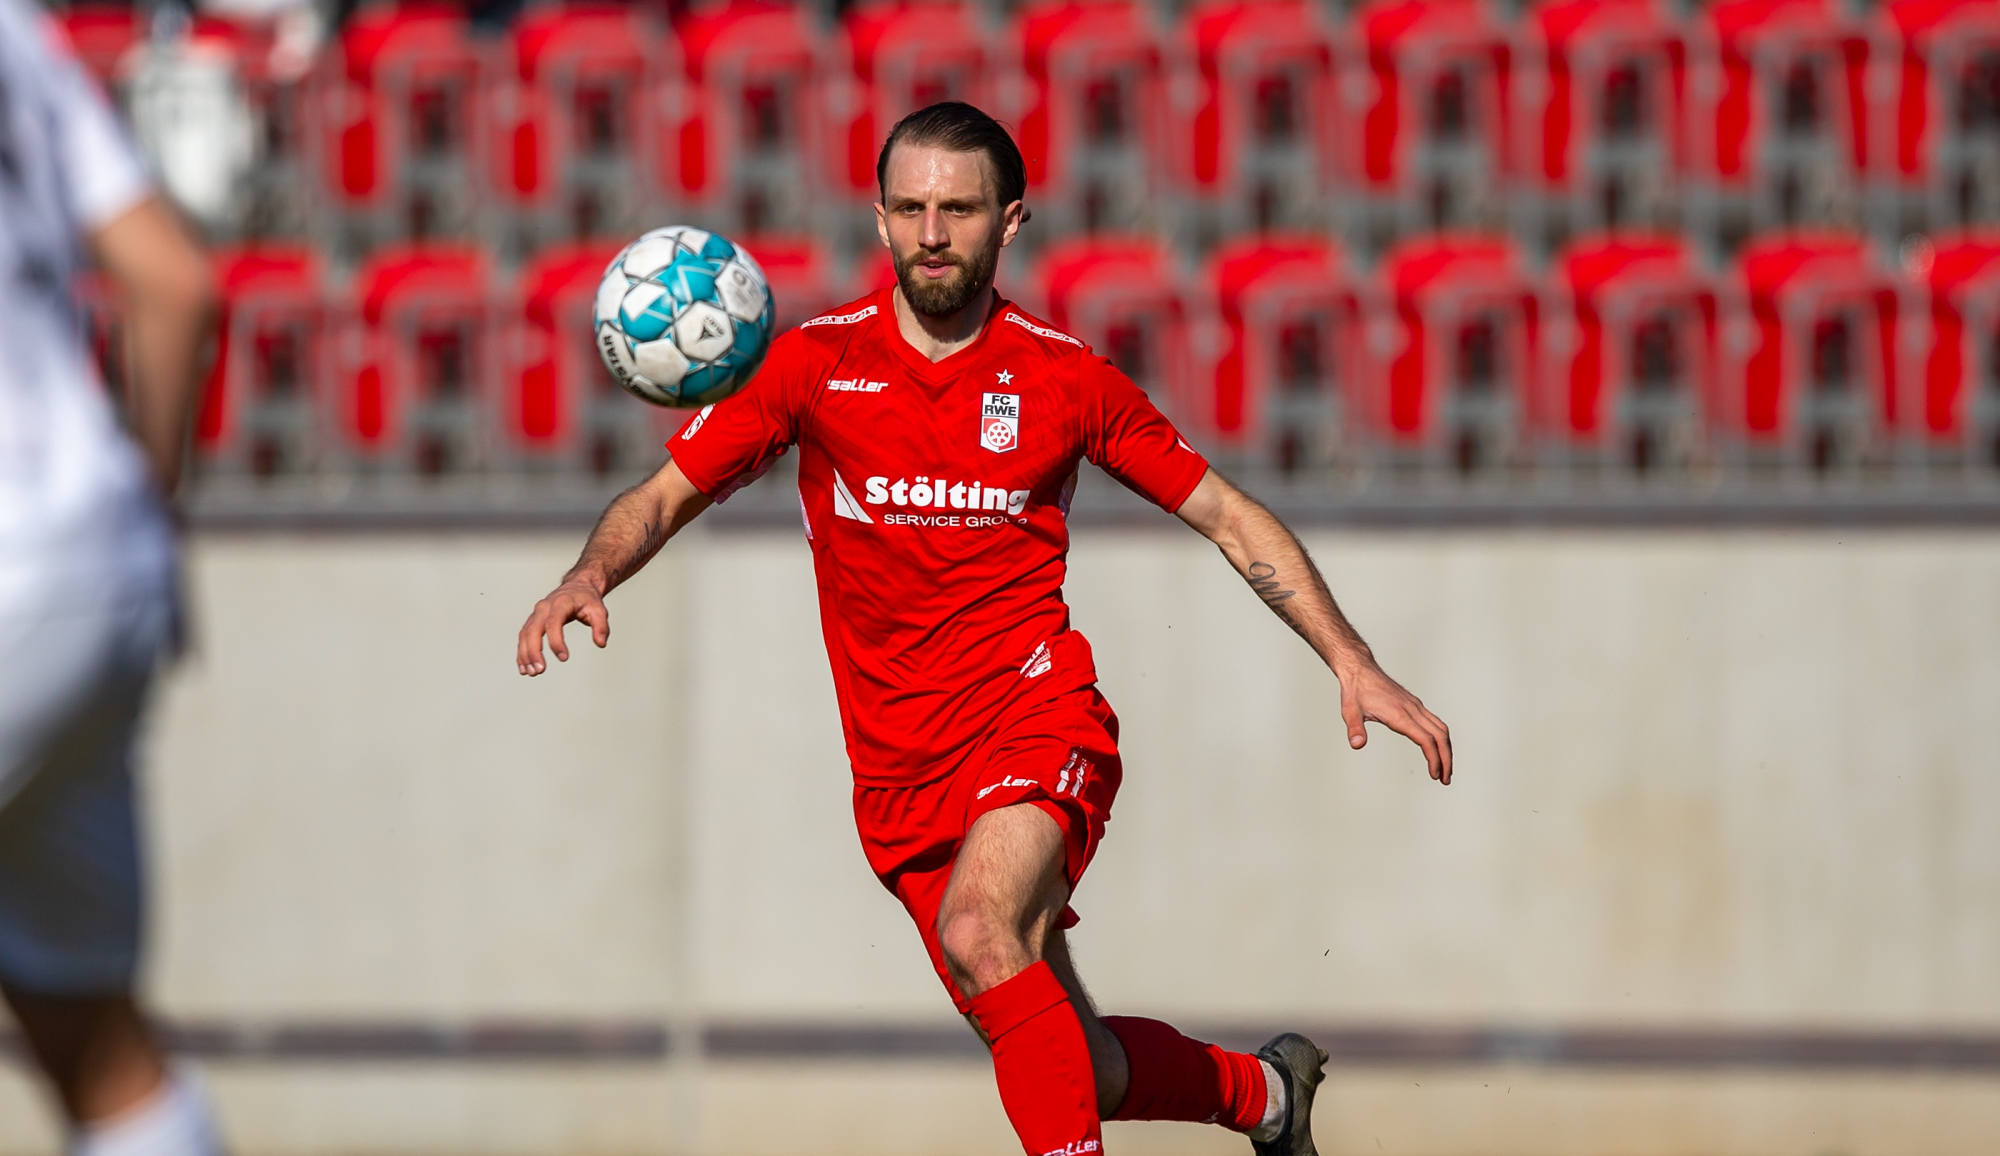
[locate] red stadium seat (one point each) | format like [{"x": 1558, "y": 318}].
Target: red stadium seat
[
  {"x": 1607, "y": 141},
  {"x": 1957, "y": 421},
  {"x": 564, "y": 411},
  {"x": 103, "y": 35},
  {"x": 574, "y": 123},
  {"x": 1122, "y": 297},
  {"x": 1258, "y": 149},
  {"x": 876, "y": 271},
  {"x": 1291, "y": 350},
  {"x": 1435, "y": 142},
  {"x": 1816, "y": 389},
  {"x": 900, "y": 56},
  {"x": 417, "y": 383},
  {"x": 1945, "y": 169},
  {"x": 1782, "y": 139},
  {"x": 1093, "y": 128},
  {"x": 1460, "y": 394},
  {"x": 402, "y": 130},
  {"x": 745, "y": 120},
  {"x": 1635, "y": 382},
  {"x": 267, "y": 400},
  {"x": 800, "y": 275}
]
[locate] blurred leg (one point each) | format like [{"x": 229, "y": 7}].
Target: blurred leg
[
  {"x": 95, "y": 1049},
  {"x": 70, "y": 885}
]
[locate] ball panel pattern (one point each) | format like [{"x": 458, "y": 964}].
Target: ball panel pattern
[
  {"x": 704, "y": 331},
  {"x": 646, "y": 312},
  {"x": 683, "y": 317},
  {"x": 742, "y": 292},
  {"x": 649, "y": 254},
  {"x": 661, "y": 362}
]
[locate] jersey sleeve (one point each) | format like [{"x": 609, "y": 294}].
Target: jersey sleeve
[
  {"x": 102, "y": 175},
  {"x": 730, "y": 444},
  {"x": 1127, "y": 435}
]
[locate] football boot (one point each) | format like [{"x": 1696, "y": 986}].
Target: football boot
[{"x": 1301, "y": 1065}]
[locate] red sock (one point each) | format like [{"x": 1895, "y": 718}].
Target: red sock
[
  {"x": 1042, "y": 1063},
  {"x": 1176, "y": 1078}
]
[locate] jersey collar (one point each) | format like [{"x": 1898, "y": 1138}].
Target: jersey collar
[{"x": 916, "y": 362}]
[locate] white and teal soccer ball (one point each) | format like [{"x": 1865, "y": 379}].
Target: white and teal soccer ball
[{"x": 683, "y": 317}]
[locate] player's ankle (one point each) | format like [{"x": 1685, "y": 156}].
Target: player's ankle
[
  {"x": 174, "y": 1121},
  {"x": 1273, "y": 1122}
]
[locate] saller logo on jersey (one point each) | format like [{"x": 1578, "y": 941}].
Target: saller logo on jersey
[
  {"x": 999, "y": 421},
  {"x": 694, "y": 427}
]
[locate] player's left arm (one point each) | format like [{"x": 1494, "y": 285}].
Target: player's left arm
[
  {"x": 170, "y": 304},
  {"x": 1275, "y": 564}
]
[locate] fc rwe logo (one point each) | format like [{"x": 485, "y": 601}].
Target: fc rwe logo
[{"x": 999, "y": 421}]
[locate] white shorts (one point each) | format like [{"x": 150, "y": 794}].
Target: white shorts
[{"x": 73, "y": 680}]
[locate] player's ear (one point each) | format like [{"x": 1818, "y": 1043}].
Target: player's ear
[
  {"x": 1012, "y": 218},
  {"x": 882, "y": 224}
]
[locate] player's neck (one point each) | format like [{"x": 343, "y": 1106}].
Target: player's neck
[{"x": 937, "y": 338}]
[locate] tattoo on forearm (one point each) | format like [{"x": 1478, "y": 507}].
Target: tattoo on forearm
[
  {"x": 626, "y": 537},
  {"x": 1315, "y": 617},
  {"x": 649, "y": 543},
  {"x": 1264, "y": 580}
]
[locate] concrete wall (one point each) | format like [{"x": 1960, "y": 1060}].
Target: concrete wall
[{"x": 1707, "y": 779}]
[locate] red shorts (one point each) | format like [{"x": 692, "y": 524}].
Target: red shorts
[{"x": 1060, "y": 755}]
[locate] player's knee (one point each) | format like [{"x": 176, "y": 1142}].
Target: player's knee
[{"x": 981, "y": 951}]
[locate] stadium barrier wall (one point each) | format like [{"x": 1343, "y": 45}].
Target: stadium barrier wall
[{"x": 1714, "y": 786}]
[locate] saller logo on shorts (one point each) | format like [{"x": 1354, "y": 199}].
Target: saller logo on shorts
[
  {"x": 999, "y": 421},
  {"x": 1038, "y": 663}
]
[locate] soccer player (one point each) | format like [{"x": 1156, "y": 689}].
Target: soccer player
[
  {"x": 939, "y": 430},
  {"x": 88, "y": 602}
]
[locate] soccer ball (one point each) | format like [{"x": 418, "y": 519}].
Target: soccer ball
[{"x": 683, "y": 317}]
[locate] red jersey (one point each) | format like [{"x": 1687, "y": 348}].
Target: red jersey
[{"x": 936, "y": 499}]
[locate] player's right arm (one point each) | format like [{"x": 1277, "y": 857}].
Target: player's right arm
[
  {"x": 725, "y": 446},
  {"x": 634, "y": 527}
]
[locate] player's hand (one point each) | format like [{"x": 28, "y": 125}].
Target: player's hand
[
  {"x": 573, "y": 601},
  {"x": 1368, "y": 695}
]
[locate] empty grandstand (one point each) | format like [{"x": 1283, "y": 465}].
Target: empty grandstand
[{"x": 1437, "y": 246}]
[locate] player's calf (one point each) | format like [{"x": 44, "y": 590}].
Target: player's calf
[{"x": 1268, "y": 1096}]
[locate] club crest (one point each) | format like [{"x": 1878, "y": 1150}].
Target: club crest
[{"x": 999, "y": 421}]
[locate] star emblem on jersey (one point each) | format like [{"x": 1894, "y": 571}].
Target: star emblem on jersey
[
  {"x": 1000, "y": 419},
  {"x": 1005, "y": 377}
]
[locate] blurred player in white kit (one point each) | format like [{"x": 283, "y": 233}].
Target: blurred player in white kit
[{"x": 88, "y": 590}]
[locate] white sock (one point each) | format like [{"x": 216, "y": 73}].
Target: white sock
[
  {"x": 175, "y": 1121},
  {"x": 1274, "y": 1106}
]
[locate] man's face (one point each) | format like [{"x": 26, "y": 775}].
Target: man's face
[{"x": 944, "y": 226}]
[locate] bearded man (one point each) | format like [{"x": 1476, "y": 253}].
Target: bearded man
[{"x": 939, "y": 429}]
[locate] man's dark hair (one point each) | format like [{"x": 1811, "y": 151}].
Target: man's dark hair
[{"x": 959, "y": 127}]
